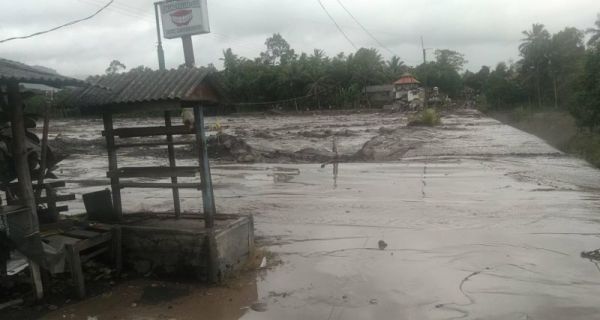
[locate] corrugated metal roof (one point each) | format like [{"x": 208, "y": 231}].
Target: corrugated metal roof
[
  {"x": 407, "y": 79},
  {"x": 141, "y": 86},
  {"x": 22, "y": 73}
]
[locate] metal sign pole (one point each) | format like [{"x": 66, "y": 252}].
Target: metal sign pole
[
  {"x": 188, "y": 51},
  {"x": 159, "y": 48}
]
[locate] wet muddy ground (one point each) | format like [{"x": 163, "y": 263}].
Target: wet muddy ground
[{"x": 481, "y": 221}]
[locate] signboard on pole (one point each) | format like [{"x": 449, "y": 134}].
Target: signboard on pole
[{"x": 184, "y": 17}]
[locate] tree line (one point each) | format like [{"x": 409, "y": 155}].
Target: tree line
[
  {"x": 279, "y": 73},
  {"x": 559, "y": 70}
]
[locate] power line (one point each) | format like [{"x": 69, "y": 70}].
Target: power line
[
  {"x": 61, "y": 26},
  {"x": 337, "y": 25},
  {"x": 365, "y": 29}
]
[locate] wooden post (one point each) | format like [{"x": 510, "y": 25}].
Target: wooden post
[
  {"x": 42, "y": 172},
  {"x": 208, "y": 200},
  {"x": 207, "y": 188},
  {"x": 172, "y": 164},
  {"x": 22, "y": 167},
  {"x": 112, "y": 164}
]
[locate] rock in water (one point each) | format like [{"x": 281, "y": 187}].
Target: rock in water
[{"x": 382, "y": 245}]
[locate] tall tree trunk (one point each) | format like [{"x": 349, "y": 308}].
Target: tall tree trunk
[
  {"x": 539, "y": 90},
  {"x": 555, "y": 93}
]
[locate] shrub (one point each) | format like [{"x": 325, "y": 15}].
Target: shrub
[{"x": 428, "y": 117}]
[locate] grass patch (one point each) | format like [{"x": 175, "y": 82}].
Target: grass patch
[
  {"x": 587, "y": 146},
  {"x": 428, "y": 118}
]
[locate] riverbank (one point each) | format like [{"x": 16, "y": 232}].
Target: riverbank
[{"x": 557, "y": 128}]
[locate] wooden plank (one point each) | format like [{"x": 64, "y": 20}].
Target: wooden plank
[
  {"x": 173, "y": 164},
  {"x": 46, "y": 199},
  {"x": 112, "y": 163},
  {"x": 81, "y": 234},
  {"x": 159, "y": 185},
  {"x": 149, "y": 131},
  {"x": 153, "y": 172},
  {"x": 92, "y": 242},
  {"x": 50, "y": 200},
  {"x": 76, "y": 272},
  {"x": 95, "y": 253},
  {"x": 117, "y": 248},
  {"x": 153, "y": 144},
  {"x": 53, "y": 184}
]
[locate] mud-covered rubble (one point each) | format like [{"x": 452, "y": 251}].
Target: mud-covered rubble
[{"x": 358, "y": 137}]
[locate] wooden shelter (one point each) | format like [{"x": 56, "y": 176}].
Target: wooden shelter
[
  {"x": 12, "y": 75},
  {"x": 168, "y": 91}
]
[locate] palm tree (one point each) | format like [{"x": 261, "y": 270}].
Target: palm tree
[
  {"x": 595, "y": 32},
  {"x": 395, "y": 67},
  {"x": 534, "y": 48}
]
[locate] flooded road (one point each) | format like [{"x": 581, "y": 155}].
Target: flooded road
[{"x": 481, "y": 221}]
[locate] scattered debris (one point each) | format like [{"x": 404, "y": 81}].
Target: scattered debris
[
  {"x": 263, "y": 263},
  {"x": 373, "y": 301},
  {"x": 382, "y": 245},
  {"x": 11, "y": 303},
  {"x": 592, "y": 255},
  {"x": 228, "y": 147},
  {"x": 259, "y": 307}
]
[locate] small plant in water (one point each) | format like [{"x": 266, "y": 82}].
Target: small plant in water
[{"x": 428, "y": 117}]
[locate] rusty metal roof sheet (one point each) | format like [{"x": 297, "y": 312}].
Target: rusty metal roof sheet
[
  {"x": 22, "y": 73},
  {"x": 142, "y": 86},
  {"x": 407, "y": 79}
]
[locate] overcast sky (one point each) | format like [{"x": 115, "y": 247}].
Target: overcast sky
[{"x": 486, "y": 31}]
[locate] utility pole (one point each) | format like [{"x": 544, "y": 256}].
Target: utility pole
[
  {"x": 425, "y": 97},
  {"x": 161, "y": 53}
]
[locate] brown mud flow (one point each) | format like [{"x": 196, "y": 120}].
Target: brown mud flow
[{"x": 481, "y": 221}]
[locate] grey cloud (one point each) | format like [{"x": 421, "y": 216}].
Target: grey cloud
[{"x": 487, "y": 31}]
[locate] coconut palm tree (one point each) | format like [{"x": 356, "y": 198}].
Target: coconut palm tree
[
  {"x": 595, "y": 32},
  {"x": 534, "y": 49}
]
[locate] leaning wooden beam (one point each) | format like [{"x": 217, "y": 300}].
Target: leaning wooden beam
[
  {"x": 23, "y": 174},
  {"x": 172, "y": 164},
  {"x": 208, "y": 200},
  {"x": 112, "y": 163},
  {"x": 42, "y": 171}
]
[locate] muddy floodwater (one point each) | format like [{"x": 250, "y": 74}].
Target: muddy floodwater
[{"x": 479, "y": 221}]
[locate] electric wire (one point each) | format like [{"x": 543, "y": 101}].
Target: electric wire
[
  {"x": 365, "y": 29},
  {"x": 337, "y": 25},
  {"x": 61, "y": 26}
]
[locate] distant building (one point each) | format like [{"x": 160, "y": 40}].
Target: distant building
[
  {"x": 380, "y": 95},
  {"x": 405, "y": 92}
]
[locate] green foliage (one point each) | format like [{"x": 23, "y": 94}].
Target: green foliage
[
  {"x": 594, "y": 40},
  {"x": 587, "y": 109},
  {"x": 586, "y": 145},
  {"x": 502, "y": 88},
  {"x": 450, "y": 59},
  {"x": 280, "y": 74},
  {"x": 520, "y": 114},
  {"x": 428, "y": 117},
  {"x": 115, "y": 66}
]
